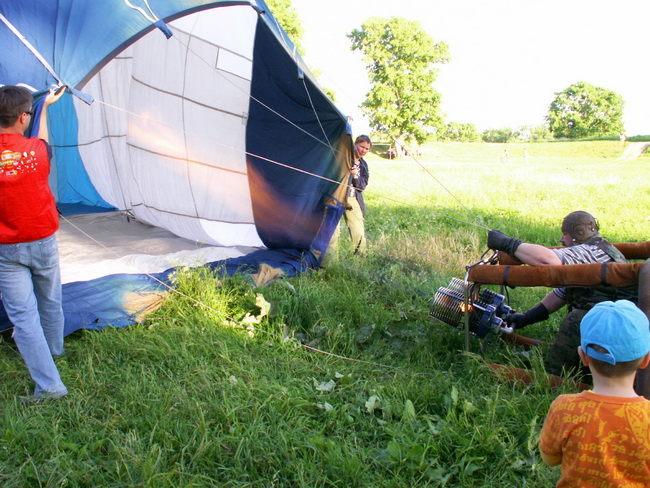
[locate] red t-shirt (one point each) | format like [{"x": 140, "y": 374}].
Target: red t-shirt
[{"x": 27, "y": 208}]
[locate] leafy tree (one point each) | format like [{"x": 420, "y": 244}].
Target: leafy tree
[
  {"x": 288, "y": 18},
  {"x": 584, "y": 110},
  {"x": 329, "y": 92},
  {"x": 539, "y": 133},
  {"x": 499, "y": 135},
  {"x": 400, "y": 58},
  {"x": 457, "y": 132}
]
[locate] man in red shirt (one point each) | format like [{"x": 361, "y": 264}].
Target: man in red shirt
[{"x": 30, "y": 278}]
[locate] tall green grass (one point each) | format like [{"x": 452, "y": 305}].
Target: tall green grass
[{"x": 345, "y": 381}]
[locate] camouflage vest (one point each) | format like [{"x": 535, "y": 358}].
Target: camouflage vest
[{"x": 584, "y": 298}]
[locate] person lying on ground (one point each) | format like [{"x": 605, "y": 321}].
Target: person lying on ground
[{"x": 583, "y": 244}]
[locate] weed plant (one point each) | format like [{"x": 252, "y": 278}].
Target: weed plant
[{"x": 335, "y": 378}]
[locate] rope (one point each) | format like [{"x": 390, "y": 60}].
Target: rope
[
  {"x": 419, "y": 196},
  {"x": 31, "y": 48},
  {"x": 151, "y": 18},
  {"x": 272, "y": 161},
  {"x": 327, "y": 143},
  {"x": 479, "y": 224},
  {"x": 477, "y": 220},
  {"x": 248, "y": 153},
  {"x": 423, "y": 254},
  {"x": 311, "y": 103},
  {"x": 273, "y": 111},
  {"x": 232, "y": 319}
]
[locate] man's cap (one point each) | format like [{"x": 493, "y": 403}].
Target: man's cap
[
  {"x": 580, "y": 225},
  {"x": 620, "y": 327}
]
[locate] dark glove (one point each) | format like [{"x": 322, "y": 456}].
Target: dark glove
[
  {"x": 498, "y": 241},
  {"x": 520, "y": 320}
]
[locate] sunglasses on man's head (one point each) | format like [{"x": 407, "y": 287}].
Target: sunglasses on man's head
[{"x": 30, "y": 112}]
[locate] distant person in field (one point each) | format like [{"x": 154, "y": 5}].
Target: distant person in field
[
  {"x": 505, "y": 157},
  {"x": 355, "y": 206},
  {"x": 583, "y": 245},
  {"x": 30, "y": 278},
  {"x": 602, "y": 437}
]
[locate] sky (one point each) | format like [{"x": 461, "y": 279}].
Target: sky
[{"x": 508, "y": 57}]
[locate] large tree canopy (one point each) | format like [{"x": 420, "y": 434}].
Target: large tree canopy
[
  {"x": 285, "y": 13},
  {"x": 400, "y": 58},
  {"x": 288, "y": 18},
  {"x": 584, "y": 110}
]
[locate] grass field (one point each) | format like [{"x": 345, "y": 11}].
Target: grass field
[{"x": 213, "y": 391}]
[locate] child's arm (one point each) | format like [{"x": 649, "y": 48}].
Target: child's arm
[
  {"x": 550, "y": 442},
  {"x": 551, "y": 459}
]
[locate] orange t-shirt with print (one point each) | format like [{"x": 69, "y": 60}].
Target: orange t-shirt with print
[{"x": 603, "y": 441}]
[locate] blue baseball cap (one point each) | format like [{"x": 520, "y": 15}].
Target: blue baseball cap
[{"x": 620, "y": 327}]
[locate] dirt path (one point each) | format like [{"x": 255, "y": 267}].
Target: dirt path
[{"x": 634, "y": 150}]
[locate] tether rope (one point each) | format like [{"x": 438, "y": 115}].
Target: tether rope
[
  {"x": 327, "y": 143},
  {"x": 218, "y": 72},
  {"x": 405, "y": 244},
  {"x": 235, "y": 321},
  {"x": 278, "y": 163},
  {"x": 477, "y": 220},
  {"x": 479, "y": 224},
  {"x": 336, "y": 152},
  {"x": 311, "y": 103},
  {"x": 224, "y": 315}
]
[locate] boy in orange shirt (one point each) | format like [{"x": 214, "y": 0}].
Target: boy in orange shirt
[{"x": 602, "y": 437}]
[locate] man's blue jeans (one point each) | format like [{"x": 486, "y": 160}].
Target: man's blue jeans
[{"x": 30, "y": 284}]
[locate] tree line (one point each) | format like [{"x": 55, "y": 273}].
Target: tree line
[{"x": 402, "y": 61}]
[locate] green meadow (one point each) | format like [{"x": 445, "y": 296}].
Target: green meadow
[{"x": 339, "y": 377}]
